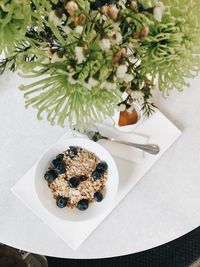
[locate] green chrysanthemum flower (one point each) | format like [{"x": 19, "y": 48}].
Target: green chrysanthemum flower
[
  {"x": 15, "y": 15},
  {"x": 63, "y": 102},
  {"x": 171, "y": 51}
]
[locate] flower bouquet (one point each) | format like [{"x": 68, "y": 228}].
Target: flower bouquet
[{"x": 86, "y": 55}]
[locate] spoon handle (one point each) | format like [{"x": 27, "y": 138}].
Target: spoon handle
[{"x": 149, "y": 148}]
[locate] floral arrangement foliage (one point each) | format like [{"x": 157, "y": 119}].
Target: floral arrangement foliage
[
  {"x": 172, "y": 47},
  {"x": 85, "y": 54},
  {"x": 15, "y": 16}
]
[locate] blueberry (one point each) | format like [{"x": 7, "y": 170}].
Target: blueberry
[
  {"x": 98, "y": 196},
  {"x": 83, "y": 204},
  {"x": 61, "y": 202},
  {"x": 83, "y": 178},
  {"x": 50, "y": 176},
  {"x": 96, "y": 175},
  {"x": 102, "y": 167},
  {"x": 60, "y": 156},
  {"x": 72, "y": 151},
  {"x": 61, "y": 168},
  {"x": 58, "y": 166},
  {"x": 56, "y": 162},
  {"x": 73, "y": 182}
]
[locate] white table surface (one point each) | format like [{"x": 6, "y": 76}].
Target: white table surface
[{"x": 168, "y": 192}]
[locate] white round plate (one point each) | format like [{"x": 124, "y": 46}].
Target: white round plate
[{"x": 44, "y": 193}]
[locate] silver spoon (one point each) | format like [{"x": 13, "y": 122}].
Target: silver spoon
[{"x": 149, "y": 148}]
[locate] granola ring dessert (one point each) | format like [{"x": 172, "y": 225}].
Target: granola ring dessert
[{"x": 76, "y": 178}]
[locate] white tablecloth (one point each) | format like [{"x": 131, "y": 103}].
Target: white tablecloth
[{"x": 163, "y": 206}]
